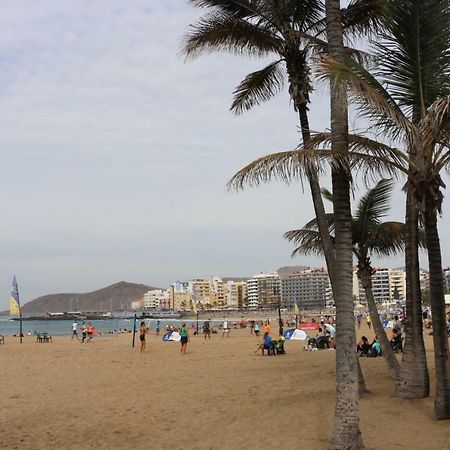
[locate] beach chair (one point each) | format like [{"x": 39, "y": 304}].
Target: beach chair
[{"x": 2, "y": 339}]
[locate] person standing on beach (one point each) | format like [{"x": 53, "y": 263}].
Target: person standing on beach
[
  {"x": 158, "y": 322},
  {"x": 369, "y": 321},
  {"x": 142, "y": 332},
  {"x": 225, "y": 329},
  {"x": 83, "y": 332},
  {"x": 267, "y": 327},
  {"x": 257, "y": 330},
  {"x": 74, "y": 330},
  {"x": 184, "y": 339},
  {"x": 206, "y": 329}
]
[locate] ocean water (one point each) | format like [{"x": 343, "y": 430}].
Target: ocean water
[{"x": 9, "y": 327}]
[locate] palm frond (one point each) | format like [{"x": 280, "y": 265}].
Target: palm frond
[
  {"x": 372, "y": 101},
  {"x": 387, "y": 239},
  {"x": 374, "y": 204},
  {"x": 435, "y": 126},
  {"x": 258, "y": 87},
  {"x": 363, "y": 17},
  {"x": 313, "y": 225},
  {"x": 414, "y": 53},
  {"x": 219, "y": 31},
  {"x": 326, "y": 194},
  {"x": 238, "y": 7},
  {"x": 308, "y": 241},
  {"x": 283, "y": 166}
]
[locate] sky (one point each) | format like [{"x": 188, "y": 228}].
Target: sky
[{"x": 116, "y": 153}]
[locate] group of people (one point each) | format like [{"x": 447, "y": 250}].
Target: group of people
[{"x": 87, "y": 331}]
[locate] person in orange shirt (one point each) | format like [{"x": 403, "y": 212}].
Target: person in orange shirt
[{"x": 267, "y": 327}]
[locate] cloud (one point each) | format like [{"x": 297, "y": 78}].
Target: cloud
[{"x": 116, "y": 151}]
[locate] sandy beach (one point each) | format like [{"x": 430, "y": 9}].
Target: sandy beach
[{"x": 220, "y": 395}]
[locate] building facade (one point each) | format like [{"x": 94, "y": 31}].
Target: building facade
[
  {"x": 309, "y": 288},
  {"x": 264, "y": 290}
]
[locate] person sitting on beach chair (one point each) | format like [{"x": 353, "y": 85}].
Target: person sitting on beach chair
[
  {"x": 375, "y": 349},
  {"x": 266, "y": 345},
  {"x": 363, "y": 346},
  {"x": 396, "y": 341},
  {"x": 322, "y": 339},
  {"x": 279, "y": 345}
]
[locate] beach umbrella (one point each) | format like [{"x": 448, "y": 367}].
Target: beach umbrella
[
  {"x": 295, "y": 335},
  {"x": 175, "y": 336},
  {"x": 166, "y": 336}
]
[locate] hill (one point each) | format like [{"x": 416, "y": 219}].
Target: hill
[{"x": 112, "y": 298}]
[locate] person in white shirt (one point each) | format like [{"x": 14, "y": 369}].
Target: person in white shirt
[{"x": 74, "y": 330}]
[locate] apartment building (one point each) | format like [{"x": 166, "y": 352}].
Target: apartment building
[
  {"x": 264, "y": 290},
  {"x": 310, "y": 288},
  {"x": 388, "y": 286},
  {"x": 237, "y": 294},
  {"x": 157, "y": 299}
]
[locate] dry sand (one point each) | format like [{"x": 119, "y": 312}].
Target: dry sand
[{"x": 220, "y": 395}]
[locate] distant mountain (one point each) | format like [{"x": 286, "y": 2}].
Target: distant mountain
[
  {"x": 290, "y": 270},
  {"x": 115, "y": 297}
]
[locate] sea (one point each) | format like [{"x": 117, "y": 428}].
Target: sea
[{"x": 107, "y": 327}]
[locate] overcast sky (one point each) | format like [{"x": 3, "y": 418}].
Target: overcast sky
[{"x": 116, "y": 152}]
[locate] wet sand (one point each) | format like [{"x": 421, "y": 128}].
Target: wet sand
[{"x": 220, "y": 395}]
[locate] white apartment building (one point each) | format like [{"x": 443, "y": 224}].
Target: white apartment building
[
  {"x": 388, "y": 286},
  {"x": 264, "y": 290},
  {"x": 156, "y": 299},
  {"x": 310, "y": 288}
]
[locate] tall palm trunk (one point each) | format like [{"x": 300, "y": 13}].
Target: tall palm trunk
[
  {"x": 440, "y": 339},
  {"x": 365, "y": 275},
  {"x": 346, "y": 433},
  {"x": 317, "y": 199},
  {"x": 415, "y": 381},
  {"x": 319, "y": 209}
]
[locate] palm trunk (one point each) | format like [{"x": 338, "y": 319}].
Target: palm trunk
[
  {"x": 319, "y": 209},
  {"x": 415, "y": 381},
  {"x": 317, "y": 199},
  {"x": 365, "y": 275},
  {"x": 346, "y": 433},
  {"x": 440, "y": 339}
]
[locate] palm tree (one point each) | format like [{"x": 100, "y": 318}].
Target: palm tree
[
  {"x": 287, "y": 29},
  {"x": 370, "y": 235},
  {"x": 290, "y": 30},
  {"x": 402, "y": 113},
  {"x": 346, "y": 432}
]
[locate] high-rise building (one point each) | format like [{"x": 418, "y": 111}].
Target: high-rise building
[
  {"x": 264, "y": 290},
  {"x": 237, "y": 294},
  {"x": 388, "y": 286},
  {"x": 309, "y": 288}
]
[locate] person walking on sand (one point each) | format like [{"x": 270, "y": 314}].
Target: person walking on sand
[
  {"x": 74, "y": 330},
  {"x": 267, "y": 327},
  {"x": 369, "y": 321},
  {"x": 257, "y": 330},
  {"x": 184, "y": 339},
  {"x": 142, "y": 332},
  {"x": 90, "y": 331}
]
